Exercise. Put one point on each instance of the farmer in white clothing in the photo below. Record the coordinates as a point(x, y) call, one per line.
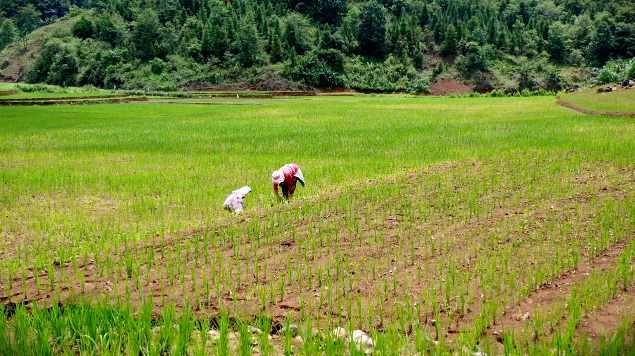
point(235, 202)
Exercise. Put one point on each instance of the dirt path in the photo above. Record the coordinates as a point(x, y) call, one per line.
point(574, 107)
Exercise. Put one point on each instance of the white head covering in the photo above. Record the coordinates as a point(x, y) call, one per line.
point(235, 202)
point(300, 177)
point(242, 191)
point(277, 177)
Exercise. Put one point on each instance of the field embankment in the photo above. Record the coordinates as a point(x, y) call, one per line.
point(620, 102)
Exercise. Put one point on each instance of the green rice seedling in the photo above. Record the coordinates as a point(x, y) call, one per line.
point(625, 266)
point(223, 341)
point(244, 340)
point(264, 344)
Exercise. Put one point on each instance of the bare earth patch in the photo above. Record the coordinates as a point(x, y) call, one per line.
point(448, 87)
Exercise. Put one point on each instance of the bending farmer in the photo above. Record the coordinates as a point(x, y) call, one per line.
point(286, 178)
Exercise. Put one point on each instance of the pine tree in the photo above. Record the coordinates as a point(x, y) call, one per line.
point(556, 43)
point(295, 36)
point(27, 18)
point(450, 41)
point(8, 32)
point(329, 11)
point(206, 44)
point(249, 52)
point(146, 34)
point(275, 44)
point(372, 30)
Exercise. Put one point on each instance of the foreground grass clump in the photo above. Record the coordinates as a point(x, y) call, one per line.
point(425, 222)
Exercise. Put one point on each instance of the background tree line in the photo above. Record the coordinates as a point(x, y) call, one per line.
point(375, 45)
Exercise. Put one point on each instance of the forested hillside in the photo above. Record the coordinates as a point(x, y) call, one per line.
point(383, 45)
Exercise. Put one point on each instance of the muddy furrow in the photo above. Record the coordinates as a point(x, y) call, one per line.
point(514, 318)
point(603, 322)
point(288, 247)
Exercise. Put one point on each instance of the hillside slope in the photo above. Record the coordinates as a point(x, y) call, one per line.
point(17, 59)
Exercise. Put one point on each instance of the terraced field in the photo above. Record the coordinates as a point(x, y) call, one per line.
point(620, 102)
point(433, 225)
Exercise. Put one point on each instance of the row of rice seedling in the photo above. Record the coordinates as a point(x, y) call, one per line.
point(421, 259)
point(351, 260)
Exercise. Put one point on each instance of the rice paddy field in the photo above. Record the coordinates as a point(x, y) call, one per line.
point(428, 225)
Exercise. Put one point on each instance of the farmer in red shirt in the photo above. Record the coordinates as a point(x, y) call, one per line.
point(286, 178)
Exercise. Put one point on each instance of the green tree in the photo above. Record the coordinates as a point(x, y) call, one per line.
point(145, 34)
point(526, 73)
point(372, 30)
point(110, 29)
point(349, 30)
point(556, 44)
point(218, 38)
point(83, 28)
point(329, 11)
point(330, 39)
point(27, 18)
point(450, 41)
point(56, 64)
point(189, 37)
point(207, 45)
point(249, 51)
point(275, 43)
point(603, 41)
point(39, 71)
point(319, 68)
point(296, 36)
point(8, 32)
point(64, 68)
point(474, 58)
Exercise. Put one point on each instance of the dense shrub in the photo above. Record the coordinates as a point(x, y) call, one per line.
point(474, 58)
point(391, 75)
point(318, 68)
point(607, 75)
point(553, 80)
point(616, 71)
point(57, 64)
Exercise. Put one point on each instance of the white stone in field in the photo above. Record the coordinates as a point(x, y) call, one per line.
point(467, 351)
point(235, 202)
point(363, 341)
point(254, 330)
point(292, 329)
point(340, 333)
point(214, 335)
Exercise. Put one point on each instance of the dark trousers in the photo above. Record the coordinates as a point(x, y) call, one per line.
point(288, 188)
